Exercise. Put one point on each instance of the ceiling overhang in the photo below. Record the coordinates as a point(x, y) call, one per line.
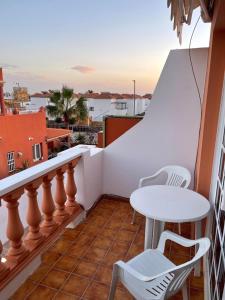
point(182, 10)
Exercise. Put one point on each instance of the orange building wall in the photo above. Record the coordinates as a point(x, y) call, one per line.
point(15, 131)
point(116, 126)
point(212, 99)
point(100, 139)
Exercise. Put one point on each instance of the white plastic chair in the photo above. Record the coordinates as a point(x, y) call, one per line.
point(176, 176)
point(152, 276)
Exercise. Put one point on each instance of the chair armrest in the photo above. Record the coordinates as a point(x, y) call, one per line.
point(168, 235)
point(143, 179)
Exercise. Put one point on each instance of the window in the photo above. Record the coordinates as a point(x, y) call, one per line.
point(11, 161)
point(121, 105)
point(91, 108)
point(37, 151)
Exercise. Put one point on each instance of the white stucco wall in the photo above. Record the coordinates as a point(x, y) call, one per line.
point(88, 177)
point(37, 102)
point(103, 107)
point(168, 134)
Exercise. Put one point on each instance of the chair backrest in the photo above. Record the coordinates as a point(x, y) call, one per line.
point(177, 176)
point(169, 284)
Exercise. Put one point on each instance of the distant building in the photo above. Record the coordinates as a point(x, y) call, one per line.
point(18, 99)
point(25, 139)
point(98, 104)
point(98, 108)
point(20, 94)
point(38, 100)
point(22, 141)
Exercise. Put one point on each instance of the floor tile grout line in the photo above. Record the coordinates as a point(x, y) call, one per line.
point(29, 293)
point(132, 243)
point(61, 288)
point(100, 262)
point(70, 274)
point(51, 288)
point(39, 282)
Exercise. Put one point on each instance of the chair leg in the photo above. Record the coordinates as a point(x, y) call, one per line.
point(133, 217)
point(113, 283)
point(185, 291)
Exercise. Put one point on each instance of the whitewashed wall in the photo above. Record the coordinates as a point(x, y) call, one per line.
point(37, 102)
point(103, 107)
point(168, 134)
point(88, 177)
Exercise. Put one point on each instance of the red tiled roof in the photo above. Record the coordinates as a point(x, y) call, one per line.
point(41, 95)
point(102, 95)
point(55, 133)
point(107, 95)
point(147, 96)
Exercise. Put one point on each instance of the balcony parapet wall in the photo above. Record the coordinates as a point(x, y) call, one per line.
point(46, 219)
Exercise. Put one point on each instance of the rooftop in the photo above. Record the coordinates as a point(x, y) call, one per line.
point(102, 95)
point(54, 133)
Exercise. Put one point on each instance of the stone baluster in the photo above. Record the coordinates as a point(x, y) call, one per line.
point(17, 252)
point(34, 237)
point(71, 188)
point(4, 270)
point(60, 197)
point(48, 225)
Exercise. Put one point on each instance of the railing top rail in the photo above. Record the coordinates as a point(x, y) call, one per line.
point(18, 180)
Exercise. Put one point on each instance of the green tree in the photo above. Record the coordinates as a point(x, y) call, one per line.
point(62, 104)
point(81, 112)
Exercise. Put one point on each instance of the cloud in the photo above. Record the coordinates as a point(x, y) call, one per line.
point(83, 69)
point(8, 66)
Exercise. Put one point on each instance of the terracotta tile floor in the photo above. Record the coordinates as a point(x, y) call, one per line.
point(79, 264)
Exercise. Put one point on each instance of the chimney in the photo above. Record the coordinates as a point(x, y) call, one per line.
point(2, 101)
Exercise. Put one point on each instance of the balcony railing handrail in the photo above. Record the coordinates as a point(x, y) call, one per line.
point(18, 180)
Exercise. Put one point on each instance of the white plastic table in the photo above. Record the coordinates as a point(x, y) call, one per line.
point(164, 203)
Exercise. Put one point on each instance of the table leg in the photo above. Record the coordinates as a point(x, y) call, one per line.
point(148, 233)
point(157, 230)
point(198, 235)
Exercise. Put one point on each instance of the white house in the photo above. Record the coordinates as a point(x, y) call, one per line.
point(99, 107)
point(38, 100)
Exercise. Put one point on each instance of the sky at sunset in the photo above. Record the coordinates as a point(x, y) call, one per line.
point(89, 44)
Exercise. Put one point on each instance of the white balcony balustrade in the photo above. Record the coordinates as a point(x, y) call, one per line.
point(38, 204)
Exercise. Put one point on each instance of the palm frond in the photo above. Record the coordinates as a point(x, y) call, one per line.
point(67, 93)
point(52, 110)
point(55, 96)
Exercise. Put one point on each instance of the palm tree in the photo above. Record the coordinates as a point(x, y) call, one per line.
point(62, 104)
point(81, 112)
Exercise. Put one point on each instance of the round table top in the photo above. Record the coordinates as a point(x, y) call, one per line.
point(169, 204)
